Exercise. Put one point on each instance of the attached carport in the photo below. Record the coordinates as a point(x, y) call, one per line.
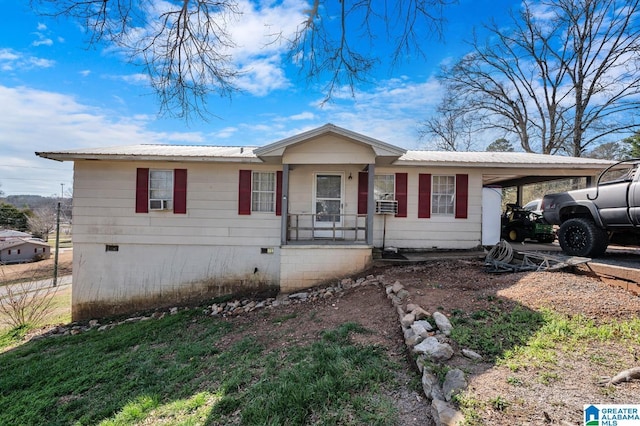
point(526, 169)
point(512, 169)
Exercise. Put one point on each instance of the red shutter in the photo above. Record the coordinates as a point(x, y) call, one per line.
point(244, 192)
point(180, 191)
point(363, 192)
point(279, 193)
point(142, 190)
point(462, 196)
point(401, 194)
point(424, 195)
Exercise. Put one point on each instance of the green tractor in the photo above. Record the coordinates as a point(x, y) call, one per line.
point(519, 224)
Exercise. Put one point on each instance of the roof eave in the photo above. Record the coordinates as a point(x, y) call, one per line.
point(61, 156)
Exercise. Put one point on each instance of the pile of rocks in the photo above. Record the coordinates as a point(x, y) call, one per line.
point(433, 348)
point(224, 309)
point(237, 307)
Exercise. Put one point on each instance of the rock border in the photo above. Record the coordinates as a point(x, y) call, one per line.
point(432, 348)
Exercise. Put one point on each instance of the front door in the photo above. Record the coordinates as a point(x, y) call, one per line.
point(328, 203)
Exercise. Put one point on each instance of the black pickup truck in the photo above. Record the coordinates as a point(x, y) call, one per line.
point(591, 218)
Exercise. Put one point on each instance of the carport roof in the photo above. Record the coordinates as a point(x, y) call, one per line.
point(510, 168)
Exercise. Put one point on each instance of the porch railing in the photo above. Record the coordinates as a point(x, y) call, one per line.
point(327, 227)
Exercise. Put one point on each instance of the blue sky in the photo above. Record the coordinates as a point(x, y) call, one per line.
point(57, 93)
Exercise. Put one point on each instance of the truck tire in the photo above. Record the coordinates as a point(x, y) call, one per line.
point(581, 237)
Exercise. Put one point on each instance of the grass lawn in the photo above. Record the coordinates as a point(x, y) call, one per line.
point(173, 371)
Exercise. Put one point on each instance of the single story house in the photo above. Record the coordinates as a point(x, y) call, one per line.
point(156, 225)
point(19, 250)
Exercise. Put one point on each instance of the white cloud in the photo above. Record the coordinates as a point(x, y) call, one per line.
point(85, 73)
point(303, 116)
point(11, 60)
point(33, 120)
point(225, 133)
point(43, 41)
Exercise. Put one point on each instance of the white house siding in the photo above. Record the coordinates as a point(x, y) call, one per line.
point(305, 266)
point(437, 232)
point(328, 150)
point(162, 257)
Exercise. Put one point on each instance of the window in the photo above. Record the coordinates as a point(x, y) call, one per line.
point(384, 187)
point(263, 191)
point(160, 189)
point(443, 195)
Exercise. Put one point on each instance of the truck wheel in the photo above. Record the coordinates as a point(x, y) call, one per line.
point(581, 237)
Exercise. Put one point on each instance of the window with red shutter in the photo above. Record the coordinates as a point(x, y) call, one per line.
point(424, 195)
point(244, 192)
point(462, 196)
point(401, 193)
point(363, 192)
point(279, 193)
point(180, 191)
point(142, 190)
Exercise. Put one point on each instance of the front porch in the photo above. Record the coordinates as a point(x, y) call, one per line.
point(341, 229)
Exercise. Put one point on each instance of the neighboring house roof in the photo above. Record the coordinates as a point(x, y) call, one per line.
point(16, 242)
point(10, 233)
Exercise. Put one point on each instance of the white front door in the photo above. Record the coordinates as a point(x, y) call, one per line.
point(328, 205)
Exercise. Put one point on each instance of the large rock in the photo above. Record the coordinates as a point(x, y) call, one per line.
point(468, 353)
point(454, 383)
point(445, 415)
point(407, 320)
point(434, 350)
point(442, 322)
point(431, 385)
point(423, 323)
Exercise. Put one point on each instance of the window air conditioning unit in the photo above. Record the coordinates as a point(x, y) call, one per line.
point(386, 207)
point(157, 204)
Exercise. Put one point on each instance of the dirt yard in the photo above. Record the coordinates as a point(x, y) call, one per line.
point(554, 394)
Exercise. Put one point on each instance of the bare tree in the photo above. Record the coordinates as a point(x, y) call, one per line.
point(43, 221)
point(451, 129)
point(564, 76)
point(186, 46)
point(26, 302)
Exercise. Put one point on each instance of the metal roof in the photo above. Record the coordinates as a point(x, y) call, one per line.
point(156, 153)
point(496, 159)
point(16, 242)
point(247, 154)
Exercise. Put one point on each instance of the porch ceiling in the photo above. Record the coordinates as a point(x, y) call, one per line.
point(511, 180)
